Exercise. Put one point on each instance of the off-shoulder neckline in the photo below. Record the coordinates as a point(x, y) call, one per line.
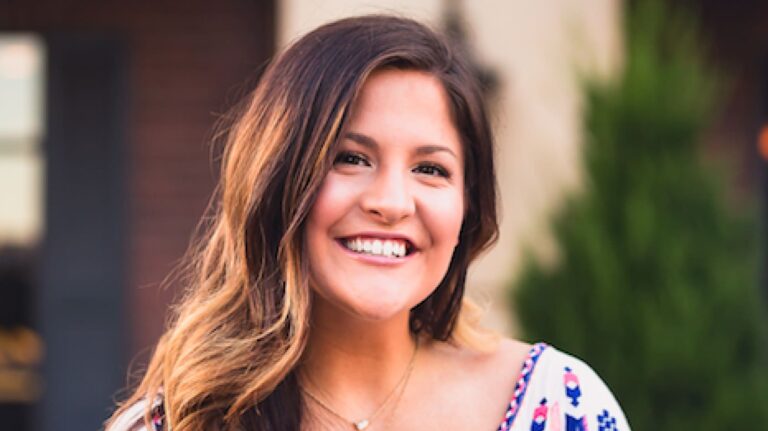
point(521, 386)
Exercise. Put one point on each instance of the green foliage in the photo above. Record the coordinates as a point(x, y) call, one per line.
point(656, 282)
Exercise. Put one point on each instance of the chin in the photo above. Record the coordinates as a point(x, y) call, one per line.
point(376, 308)
point(370, 309)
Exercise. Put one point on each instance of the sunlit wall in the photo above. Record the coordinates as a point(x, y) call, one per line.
point(21, 221)
point(21, 120)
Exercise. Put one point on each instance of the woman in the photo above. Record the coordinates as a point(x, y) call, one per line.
point(357, 186)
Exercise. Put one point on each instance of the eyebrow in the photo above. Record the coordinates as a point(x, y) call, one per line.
point(371, 143)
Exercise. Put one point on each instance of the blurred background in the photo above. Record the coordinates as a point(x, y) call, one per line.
point(632, 144)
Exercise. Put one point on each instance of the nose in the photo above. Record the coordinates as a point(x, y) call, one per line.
point(388, 198)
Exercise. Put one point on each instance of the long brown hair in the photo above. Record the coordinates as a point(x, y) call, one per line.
point(228, 359)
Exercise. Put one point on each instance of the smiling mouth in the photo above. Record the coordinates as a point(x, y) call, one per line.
point(391, 247)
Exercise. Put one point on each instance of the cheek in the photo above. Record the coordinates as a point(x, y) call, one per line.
point(333, 201)
point(443, 218)
point(320, 220)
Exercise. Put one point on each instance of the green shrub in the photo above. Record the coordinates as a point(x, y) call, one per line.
point(656, 282)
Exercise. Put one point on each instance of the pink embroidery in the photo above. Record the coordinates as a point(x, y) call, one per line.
point(540, 416)
point(555, 421)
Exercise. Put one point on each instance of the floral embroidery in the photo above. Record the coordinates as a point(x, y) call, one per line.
point(566, 395)
point(575, 424)
point(539, 421)
point(572, 389)
point(606, 422)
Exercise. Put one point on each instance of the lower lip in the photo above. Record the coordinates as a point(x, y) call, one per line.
point(376, 260)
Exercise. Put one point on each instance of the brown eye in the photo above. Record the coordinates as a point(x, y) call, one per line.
point(432, 170)
point(350, 158)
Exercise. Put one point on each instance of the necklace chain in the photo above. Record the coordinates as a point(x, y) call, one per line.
point(362, 424)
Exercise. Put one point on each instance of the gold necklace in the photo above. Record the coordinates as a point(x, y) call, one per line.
point(362, 424)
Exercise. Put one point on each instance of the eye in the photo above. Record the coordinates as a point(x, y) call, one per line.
point(432, 170)
point(350, 158)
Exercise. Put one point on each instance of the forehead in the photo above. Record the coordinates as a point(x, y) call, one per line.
point(405, 106)
point(415, 88)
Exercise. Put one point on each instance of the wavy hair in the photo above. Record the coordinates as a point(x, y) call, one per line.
point(228, 359)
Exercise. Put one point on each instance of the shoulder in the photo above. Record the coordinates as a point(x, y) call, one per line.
point(475, 384)
point(497, 358)
point(132, 418)
point(566, 388)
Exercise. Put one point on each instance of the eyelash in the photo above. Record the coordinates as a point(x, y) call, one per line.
point(436, 170)
point(350, 158)
point(356, 159)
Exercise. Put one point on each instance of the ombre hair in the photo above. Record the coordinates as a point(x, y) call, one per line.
point(228, 359)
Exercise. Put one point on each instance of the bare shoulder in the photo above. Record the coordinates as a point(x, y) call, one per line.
point(501, 366)
point(477, 385)
point(511, 352)
point(490, 373)
point(505, 353)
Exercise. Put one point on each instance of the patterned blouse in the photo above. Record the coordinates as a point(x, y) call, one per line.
point(557, 392)
point(554, 392)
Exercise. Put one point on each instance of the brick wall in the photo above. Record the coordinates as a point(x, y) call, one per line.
point(188, 61)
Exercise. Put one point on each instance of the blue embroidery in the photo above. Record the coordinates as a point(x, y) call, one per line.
point(572, 389)
point(522, 385)
point(539, 421)
point(574, 424)
point(606, 422)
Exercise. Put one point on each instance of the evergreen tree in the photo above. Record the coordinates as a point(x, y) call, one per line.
point(656, 283)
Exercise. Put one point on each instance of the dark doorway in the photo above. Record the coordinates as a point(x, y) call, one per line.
point(81, 272)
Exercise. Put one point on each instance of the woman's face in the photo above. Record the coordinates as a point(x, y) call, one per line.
point(382, 231)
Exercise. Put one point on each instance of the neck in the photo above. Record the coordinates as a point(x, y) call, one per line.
point(354, 364)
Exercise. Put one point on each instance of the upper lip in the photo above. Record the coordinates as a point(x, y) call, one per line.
point(383, 235)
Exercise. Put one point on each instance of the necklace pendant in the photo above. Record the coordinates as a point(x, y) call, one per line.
point(361, 425)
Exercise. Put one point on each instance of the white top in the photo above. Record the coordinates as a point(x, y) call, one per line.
point(558, 392)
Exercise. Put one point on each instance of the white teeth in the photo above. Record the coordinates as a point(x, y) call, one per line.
point(388, 248)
